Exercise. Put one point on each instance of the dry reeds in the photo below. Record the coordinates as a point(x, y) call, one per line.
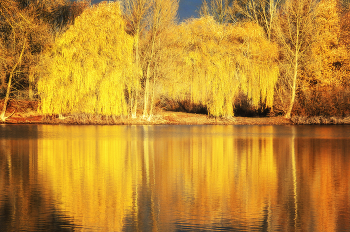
point(320, 120)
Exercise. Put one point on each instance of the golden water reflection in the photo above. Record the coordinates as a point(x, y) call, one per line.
point(169, 178)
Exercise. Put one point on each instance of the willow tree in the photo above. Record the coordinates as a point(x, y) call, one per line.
point(218, 61)
point(88, 68)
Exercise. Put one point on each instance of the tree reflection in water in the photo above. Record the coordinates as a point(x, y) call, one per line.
point(25, 204)
point(178, 178)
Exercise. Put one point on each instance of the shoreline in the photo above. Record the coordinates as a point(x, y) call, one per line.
point(173, 118)
point(170, 118)
point(161, 118)
point(25, 112)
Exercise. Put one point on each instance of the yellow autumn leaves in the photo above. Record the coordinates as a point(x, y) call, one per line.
point(91, 68)
point(88, 68)
point(218, 61)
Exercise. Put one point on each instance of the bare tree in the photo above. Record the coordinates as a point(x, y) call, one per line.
point(147, 20)
point(221, 10)
point(136, 13)
point(27, 29)
point(164, 13)
point(3, 112)
point(13, 37)
point(263, 12)
point(295, 30)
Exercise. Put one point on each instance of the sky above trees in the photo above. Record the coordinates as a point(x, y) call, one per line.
point(187, 8)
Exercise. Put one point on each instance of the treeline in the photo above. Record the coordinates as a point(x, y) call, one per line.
point(126, 58)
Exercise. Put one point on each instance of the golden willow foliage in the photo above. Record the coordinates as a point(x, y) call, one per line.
point(88, 67)
point(215, 61)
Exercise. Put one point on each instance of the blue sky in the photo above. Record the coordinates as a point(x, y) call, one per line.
point(187, 8)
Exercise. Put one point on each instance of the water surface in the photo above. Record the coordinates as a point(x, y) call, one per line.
point(174, 178)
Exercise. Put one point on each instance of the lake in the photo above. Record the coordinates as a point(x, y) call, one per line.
point(174, 178)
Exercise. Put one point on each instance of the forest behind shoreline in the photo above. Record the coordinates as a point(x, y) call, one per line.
point(130, 58)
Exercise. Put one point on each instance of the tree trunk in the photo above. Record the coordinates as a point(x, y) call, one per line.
point(135, 94)
point(2, 77)
point(146, 96)
point(152, 98)
point(295, 76)
point(31, 81)
point(133, 105)
point(292, 100)
point(2, 115)
point(147, 89)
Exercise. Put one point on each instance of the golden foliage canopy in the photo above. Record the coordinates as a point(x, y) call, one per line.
point(217, 61)
point(328, 55)
point(88, 67)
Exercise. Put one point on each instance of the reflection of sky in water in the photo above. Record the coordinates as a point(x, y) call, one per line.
point(176, 178)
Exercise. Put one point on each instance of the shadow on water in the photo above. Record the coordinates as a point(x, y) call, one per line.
point(25, 205)
point(15, 132)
